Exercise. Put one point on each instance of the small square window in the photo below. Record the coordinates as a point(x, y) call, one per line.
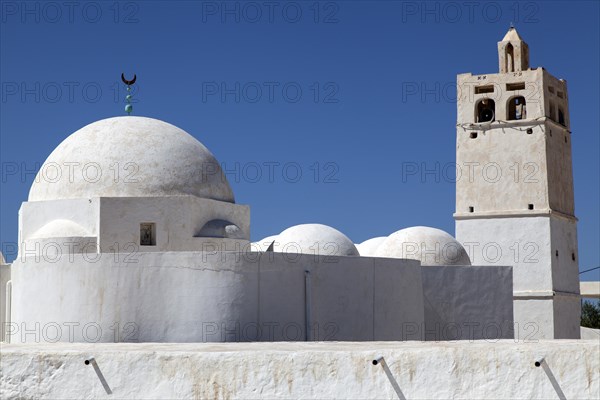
point(471, 209)
point(515, 86)
point(148, 234)
point(529, 131)
point(530, 206)
point(473, 135)
point(550, 89)
point(573, 256)
point(484, 89)
point(560, 94)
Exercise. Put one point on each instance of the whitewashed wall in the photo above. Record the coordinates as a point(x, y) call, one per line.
point(467, 370)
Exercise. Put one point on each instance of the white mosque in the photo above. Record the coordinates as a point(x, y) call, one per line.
point(132, 221)
point(131, 233)
point(163, 247)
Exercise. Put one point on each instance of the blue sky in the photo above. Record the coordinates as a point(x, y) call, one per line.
point(346, 93)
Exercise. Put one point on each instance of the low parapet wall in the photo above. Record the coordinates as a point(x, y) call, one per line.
point(431, 370)
point(214, 297)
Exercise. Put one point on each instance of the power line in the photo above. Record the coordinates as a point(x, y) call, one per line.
point(588, 270)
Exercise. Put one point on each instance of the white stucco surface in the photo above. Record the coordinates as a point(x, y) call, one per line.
point(545, 276)
point(112, 224)
point(443, 370)
point(590, 289)
point(4, 278)
point(590, 334)
point(467, 303)
point(213, 297)
point(130, 157)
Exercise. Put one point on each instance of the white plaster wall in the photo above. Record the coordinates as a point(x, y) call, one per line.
point(535, 168)
point(534, 318)
point(465, 370)
point(142, 297)
point(524, 243)
point(4, 278)
point(34, 215)
point(112, 225)
point(178, 220)
point(560, 168)
point(565, 269)
point(501, 170)
point(466, 97)
point(590, 334)
point(551, 317)
point(212, 296)
point(567, 317)
point(467, 303)
point(544, 285)
point(590, 289)
point(558, 85)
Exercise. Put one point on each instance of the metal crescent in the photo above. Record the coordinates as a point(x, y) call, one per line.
point(125, 81)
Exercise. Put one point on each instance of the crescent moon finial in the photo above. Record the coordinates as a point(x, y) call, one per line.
point(127, 82)
point(128, 106)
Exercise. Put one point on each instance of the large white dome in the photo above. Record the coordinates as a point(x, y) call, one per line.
point(431, 246)
point(315, 239)
point(130, 157)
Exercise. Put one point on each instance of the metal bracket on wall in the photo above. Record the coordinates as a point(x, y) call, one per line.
point(541, 362)
point(92, 361)
point(386, 369)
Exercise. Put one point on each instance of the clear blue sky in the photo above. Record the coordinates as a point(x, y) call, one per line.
point(357, 121)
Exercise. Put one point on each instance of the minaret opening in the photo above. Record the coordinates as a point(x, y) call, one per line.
point(561, 117)
point(513, 53)
point(551, 112)
point(510, 58)
point(516, 108)
point(485, 110)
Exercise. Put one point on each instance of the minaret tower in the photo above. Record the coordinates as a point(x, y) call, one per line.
point(514, 191)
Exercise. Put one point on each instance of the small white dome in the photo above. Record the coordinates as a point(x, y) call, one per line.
point(130, 157)
point(315, 239)
point(368, 247)
point(431, 246)
point(60, 228)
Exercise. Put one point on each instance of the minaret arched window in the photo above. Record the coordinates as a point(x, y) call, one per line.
point(485, 110)
point(517, 108)
point(510, 58)
point(561, 117)
point(551, 113)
